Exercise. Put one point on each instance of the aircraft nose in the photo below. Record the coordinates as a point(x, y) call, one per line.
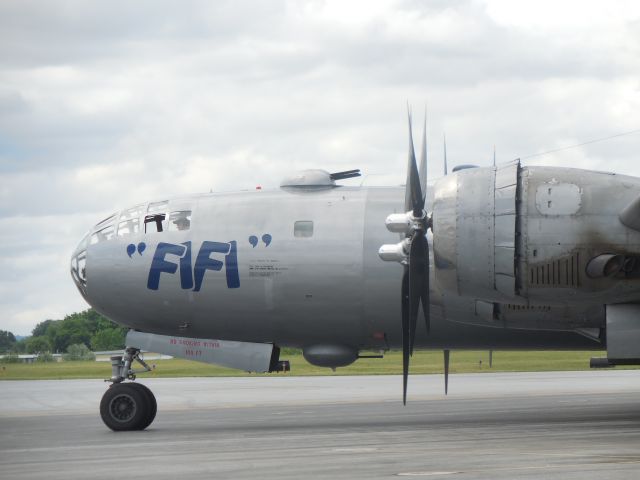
point(79, 266)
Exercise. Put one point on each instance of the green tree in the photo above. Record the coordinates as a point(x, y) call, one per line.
point(7, 341)
point(79, 351)
point(72, 330)
point(108, 339)
point(41, 328)
point(51, 333)
point(80, 327)
point(37, 345)
point(20, 346)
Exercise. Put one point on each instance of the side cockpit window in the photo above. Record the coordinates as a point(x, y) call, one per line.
point(104, 230)
point(180, 220)
point(129, 221)
point(128, 227)
point(159, 218)
point(79, 265)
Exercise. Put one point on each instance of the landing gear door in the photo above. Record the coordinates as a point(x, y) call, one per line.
point(623, 332)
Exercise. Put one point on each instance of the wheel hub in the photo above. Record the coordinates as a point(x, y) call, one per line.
point(122, 408)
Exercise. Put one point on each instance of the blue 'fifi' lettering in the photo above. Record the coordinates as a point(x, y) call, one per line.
point(160, 265)
point(204, 262)
point(186, 278)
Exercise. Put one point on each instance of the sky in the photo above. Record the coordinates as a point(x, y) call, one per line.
point(108, 104)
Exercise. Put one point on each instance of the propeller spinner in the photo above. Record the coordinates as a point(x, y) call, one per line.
point(412, 252)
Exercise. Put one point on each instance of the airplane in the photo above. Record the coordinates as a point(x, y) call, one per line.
point(500, 257)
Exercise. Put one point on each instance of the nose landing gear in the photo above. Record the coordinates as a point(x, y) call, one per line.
point(127, 406)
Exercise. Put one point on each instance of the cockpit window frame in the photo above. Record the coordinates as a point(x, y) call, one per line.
point(158, 207)
point(102, 223)
point(104, 234)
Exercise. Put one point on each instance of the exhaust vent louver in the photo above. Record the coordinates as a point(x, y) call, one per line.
point(562, 272)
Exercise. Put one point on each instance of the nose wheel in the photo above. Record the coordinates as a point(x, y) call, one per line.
point(128, 406)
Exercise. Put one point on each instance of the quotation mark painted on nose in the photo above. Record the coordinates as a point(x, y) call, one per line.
point(131, 248)
point(266, 238)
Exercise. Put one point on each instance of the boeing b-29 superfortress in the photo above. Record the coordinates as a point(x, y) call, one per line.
point(501, 257)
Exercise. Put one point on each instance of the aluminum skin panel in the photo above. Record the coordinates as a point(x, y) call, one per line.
point(505, 200)
point(623, 331)
point(504, 261)
point(475, 232)
point(582, 222)
point(507, 175)
point(505, 228)
point(558, 199)
point(444, 232)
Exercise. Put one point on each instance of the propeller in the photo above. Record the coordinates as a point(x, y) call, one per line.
point(412, 252)
point(415, 281)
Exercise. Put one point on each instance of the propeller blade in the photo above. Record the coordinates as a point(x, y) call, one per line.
point(446, 372)
point(424, 292)
point(405, 333)
point(413, 199)
point(418, 280)
point(426, 310)
point(423, 159)
point(444, 137)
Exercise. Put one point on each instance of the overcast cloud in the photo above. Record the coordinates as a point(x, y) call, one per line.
point(105, 104)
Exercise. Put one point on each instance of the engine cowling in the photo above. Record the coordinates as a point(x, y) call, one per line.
point(474, 232)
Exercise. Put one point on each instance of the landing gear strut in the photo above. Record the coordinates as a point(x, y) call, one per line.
point(127, 406)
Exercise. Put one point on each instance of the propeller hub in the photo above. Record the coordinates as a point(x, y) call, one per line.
point(395, 252)
point(420, 223)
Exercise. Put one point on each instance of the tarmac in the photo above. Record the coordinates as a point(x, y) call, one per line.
point(552, 425)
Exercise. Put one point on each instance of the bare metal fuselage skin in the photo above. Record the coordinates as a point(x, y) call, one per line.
point(300, 267)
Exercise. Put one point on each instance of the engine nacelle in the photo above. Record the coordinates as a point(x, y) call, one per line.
point(537, 235)
point(474, 232)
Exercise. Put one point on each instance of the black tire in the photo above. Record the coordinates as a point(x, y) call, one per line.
point(124, 408)
point(152, 406)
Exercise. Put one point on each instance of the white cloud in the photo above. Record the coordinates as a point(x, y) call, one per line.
point(550, 15)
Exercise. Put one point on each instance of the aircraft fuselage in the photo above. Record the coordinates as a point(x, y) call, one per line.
point(301, 267)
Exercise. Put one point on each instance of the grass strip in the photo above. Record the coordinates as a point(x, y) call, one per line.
point(421, 363)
